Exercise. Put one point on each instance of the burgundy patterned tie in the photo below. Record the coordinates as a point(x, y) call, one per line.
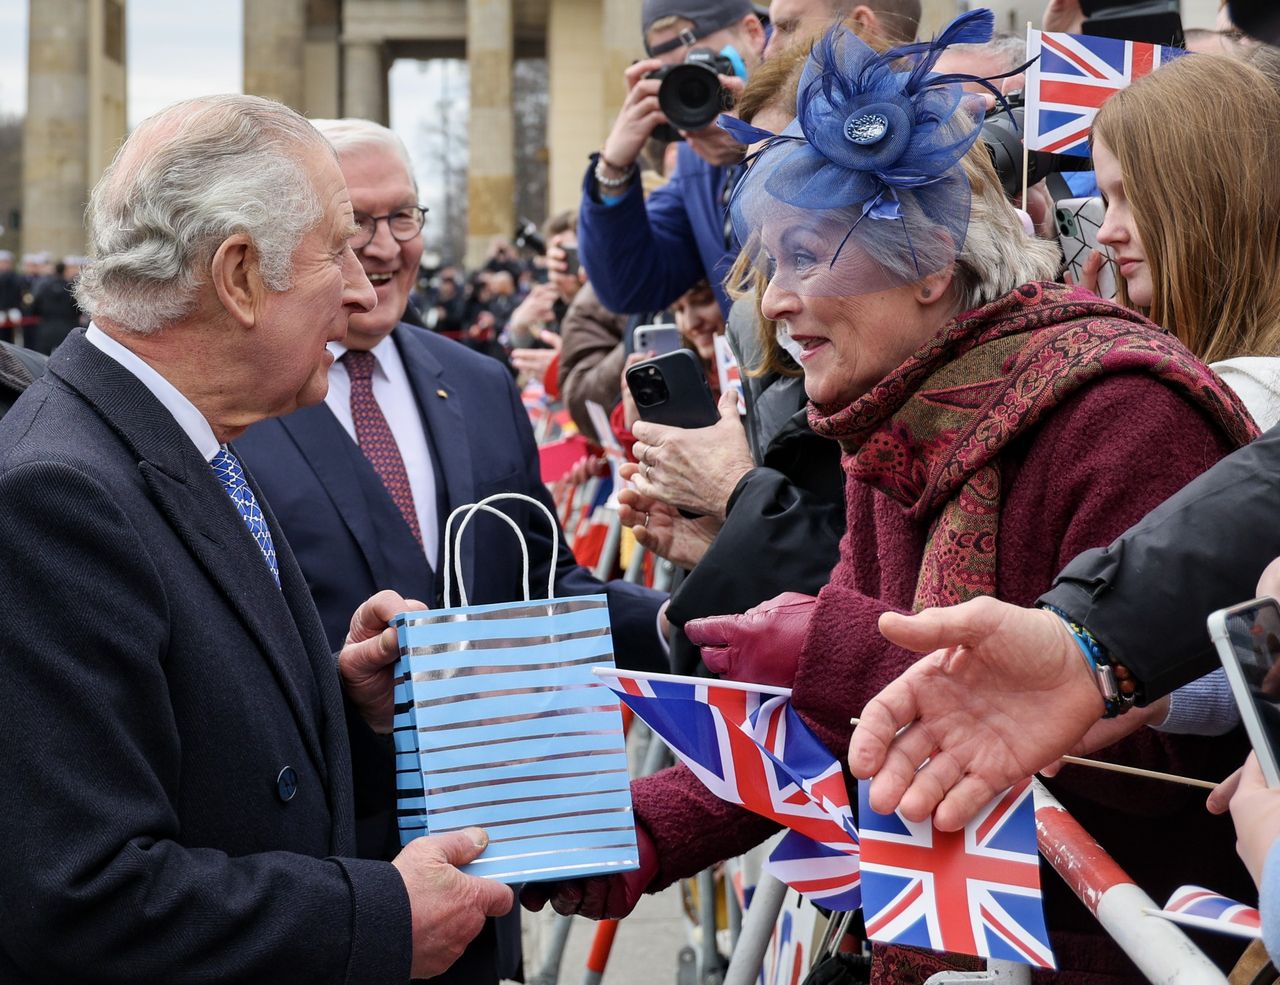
point(375, 438)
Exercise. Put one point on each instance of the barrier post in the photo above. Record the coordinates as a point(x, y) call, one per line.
point(1158, 947)
point(757, 929)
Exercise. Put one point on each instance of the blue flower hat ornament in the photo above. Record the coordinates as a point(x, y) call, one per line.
point(864, 190)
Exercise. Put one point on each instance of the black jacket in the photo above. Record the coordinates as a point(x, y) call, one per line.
point(19, 368)
point(1146, 596)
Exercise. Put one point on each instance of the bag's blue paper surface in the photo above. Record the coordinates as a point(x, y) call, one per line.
point(500, 723)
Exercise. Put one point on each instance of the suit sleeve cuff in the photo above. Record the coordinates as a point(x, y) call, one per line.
point(381, 924)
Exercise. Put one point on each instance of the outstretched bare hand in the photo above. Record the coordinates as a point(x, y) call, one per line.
point(1004, 693)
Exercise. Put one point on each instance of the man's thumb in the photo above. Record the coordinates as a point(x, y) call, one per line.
point(460, 847)
point(729, 403)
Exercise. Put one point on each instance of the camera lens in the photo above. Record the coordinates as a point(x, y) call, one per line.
point(691, 96)
point(649, 389)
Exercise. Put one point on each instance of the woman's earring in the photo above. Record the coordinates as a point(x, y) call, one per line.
point(926, 293)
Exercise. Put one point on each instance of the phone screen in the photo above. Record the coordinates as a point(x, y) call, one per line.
point(1254, 633)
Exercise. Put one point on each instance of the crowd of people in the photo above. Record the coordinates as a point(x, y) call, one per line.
point(958, 498)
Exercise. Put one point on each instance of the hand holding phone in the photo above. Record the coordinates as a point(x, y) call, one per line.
point(1247, 637)
point(672, 389)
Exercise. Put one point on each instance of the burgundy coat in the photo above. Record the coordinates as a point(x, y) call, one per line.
point(1106, 456)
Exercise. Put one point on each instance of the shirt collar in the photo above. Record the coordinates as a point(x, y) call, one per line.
point(385, 354)
point(183, 410)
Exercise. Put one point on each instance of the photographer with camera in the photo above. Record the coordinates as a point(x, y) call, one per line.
point(643, 255)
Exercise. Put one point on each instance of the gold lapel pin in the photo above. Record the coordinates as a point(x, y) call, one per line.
point(442, 393)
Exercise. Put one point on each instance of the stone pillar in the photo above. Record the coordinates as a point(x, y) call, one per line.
point(364, 81)
point(622, 44)
point(491, 165)
point(75, 115)
point(275, 33)
point(576, 120)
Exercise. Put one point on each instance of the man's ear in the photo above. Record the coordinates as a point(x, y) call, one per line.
point(233, 272)
point(864, 21)
point(754, 33)
point(934, 287)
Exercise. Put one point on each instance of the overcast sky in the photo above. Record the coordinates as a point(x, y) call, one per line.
point(176, 50)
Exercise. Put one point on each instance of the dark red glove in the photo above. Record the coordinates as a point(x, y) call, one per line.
point(761, 646)
point(599, 897)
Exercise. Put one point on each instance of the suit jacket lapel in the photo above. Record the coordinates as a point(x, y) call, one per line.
point(336, 459)
point(447, 431)
point(186, 491)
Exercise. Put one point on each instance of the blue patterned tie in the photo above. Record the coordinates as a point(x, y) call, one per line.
point(227, 468)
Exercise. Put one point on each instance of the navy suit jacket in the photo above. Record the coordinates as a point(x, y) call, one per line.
point(352, 541)
point(177, 771)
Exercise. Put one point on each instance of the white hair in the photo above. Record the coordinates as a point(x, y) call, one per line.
point(186, 179)
point(352, 134)
point(999, 254)
point(1009, 50)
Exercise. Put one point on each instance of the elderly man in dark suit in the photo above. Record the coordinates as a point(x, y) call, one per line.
point(179, 739)
point(413, 426)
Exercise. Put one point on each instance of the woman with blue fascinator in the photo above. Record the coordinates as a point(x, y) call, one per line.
point(992, 423)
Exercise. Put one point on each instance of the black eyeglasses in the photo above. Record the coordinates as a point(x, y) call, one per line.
point(404, 224)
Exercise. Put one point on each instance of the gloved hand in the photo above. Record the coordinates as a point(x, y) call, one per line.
point(599, 897)
point(761, 646)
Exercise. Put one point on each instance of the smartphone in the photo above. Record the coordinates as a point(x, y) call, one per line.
point(1078, 221)
point(571, 260)
point(658, 339)
point(1248, 640)
point(672, 389)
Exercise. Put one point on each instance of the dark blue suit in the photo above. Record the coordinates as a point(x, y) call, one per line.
point(351, 540)
point(178, 778)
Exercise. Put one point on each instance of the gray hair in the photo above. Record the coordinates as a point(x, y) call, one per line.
point(1010, 50)
point(999, 254)
point(187, 178)
point(353, 134)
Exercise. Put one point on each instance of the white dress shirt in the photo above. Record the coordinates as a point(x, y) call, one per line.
point(183, 410)
point(394, 394)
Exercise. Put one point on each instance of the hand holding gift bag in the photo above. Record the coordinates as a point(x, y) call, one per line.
point(500, 723)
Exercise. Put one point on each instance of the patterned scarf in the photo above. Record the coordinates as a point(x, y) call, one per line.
point(930, 434)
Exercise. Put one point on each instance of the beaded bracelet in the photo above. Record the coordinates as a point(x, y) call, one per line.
point(1116, 683)
point(612, 183)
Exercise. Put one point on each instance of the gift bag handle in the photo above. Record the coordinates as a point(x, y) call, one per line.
point(453, 544)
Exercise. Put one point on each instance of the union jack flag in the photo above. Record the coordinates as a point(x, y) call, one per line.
point(1199, 907)
point(975, 891)
point(1072, 77)
point(748, 746)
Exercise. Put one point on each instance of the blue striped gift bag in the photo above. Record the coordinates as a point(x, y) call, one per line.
point(500, 723)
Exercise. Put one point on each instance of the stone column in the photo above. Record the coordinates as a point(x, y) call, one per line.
point(275, 33)
point(576, 119)
point(491, 166)
point(364, 81)
point(75, 115)
point(622, 44)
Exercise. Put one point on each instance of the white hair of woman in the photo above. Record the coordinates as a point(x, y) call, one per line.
point(187, 178)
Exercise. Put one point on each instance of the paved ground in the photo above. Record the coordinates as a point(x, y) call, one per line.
point(645, 950)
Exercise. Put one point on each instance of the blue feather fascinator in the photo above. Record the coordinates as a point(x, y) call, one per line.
point(864, 191)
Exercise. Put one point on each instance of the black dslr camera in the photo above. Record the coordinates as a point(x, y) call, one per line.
point(1002, 133)
point(527, 237)
point(691, 95)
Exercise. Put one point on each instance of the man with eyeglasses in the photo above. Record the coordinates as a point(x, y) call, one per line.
point(414, 425)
